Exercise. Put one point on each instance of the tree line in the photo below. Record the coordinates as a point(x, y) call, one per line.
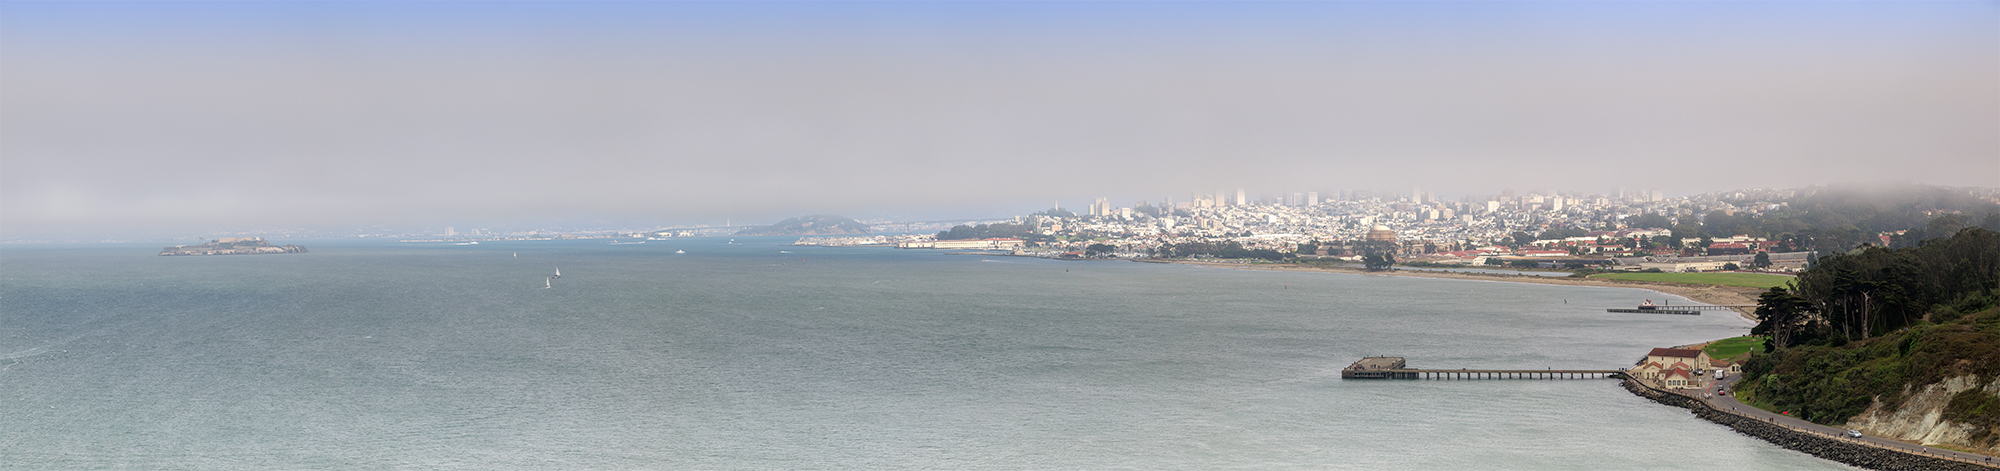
point(1002, 230)
point(1222, 249)
point(1872, 325)
point(1839, 217)
point(1869, 291)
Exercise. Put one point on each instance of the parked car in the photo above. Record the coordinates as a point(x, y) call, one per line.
point(1853, 434)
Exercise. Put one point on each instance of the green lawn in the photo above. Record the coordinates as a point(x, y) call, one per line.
point(1730, 348)
point(1753, 280)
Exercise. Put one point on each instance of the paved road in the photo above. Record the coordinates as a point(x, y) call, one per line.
point(1729, 403)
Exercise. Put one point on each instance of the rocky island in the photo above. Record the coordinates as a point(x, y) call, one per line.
point(824, 224)
point(232, 246)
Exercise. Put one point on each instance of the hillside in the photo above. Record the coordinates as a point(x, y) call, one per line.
point(822, 224)
point(1936, 384)
point(1900, 343)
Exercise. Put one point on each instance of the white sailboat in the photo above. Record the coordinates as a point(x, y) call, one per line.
point(558, 273)
point(546, 284)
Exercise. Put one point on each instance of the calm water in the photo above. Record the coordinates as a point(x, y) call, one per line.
point(429, 356)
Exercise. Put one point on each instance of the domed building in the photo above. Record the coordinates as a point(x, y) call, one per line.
point(1381, 234)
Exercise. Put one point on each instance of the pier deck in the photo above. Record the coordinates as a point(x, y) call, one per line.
point(1411, 373)
point(1395, 368)
point(1685, 309)
point(1676, 310)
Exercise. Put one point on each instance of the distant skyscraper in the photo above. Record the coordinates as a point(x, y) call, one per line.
point(1312, 198)
point(1417, 195)
point(1239, 197)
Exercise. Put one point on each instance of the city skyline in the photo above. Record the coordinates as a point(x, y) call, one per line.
point(171, 117)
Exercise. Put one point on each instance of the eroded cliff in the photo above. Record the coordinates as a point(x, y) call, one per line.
point(1924, 415)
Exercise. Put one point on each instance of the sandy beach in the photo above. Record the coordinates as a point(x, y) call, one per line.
point(1709, 294)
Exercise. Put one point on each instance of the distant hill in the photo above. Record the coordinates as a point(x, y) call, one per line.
point(823, 224)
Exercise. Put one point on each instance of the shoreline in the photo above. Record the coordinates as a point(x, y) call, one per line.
point(1799, 436)
point(1711, 294)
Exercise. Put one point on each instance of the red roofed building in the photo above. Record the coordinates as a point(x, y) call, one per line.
point(1726, 365)
point(1672, 367)
point(1679, 377)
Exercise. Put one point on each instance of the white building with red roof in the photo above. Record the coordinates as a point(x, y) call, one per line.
point(1672, 367)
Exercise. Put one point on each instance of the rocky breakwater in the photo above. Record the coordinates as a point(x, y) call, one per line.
point(1822, 446)
point(232, 246)
point(1927, 416)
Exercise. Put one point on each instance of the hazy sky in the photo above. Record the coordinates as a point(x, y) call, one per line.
point(168, 116)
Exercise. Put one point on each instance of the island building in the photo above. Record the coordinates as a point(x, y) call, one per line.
point(232, 246)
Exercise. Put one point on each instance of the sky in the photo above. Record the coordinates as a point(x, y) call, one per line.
point(183, 117)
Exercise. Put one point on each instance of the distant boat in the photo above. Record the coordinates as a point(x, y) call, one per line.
point(558, 273)
point(546, 284)
point(784, 251)
point(680, 251)
point(627, 243)
point(517, 255)
point(467, 243)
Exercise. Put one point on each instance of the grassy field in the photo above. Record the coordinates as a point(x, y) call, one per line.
point(1753, 280)
point(1730, 348)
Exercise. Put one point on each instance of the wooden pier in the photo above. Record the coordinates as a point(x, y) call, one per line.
point(1696, 307)
point(1504, 374)
point(1685, 310)
point(1676, 310)
point(1395, 368)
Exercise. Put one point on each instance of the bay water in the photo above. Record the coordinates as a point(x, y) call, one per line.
point(748, 354)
